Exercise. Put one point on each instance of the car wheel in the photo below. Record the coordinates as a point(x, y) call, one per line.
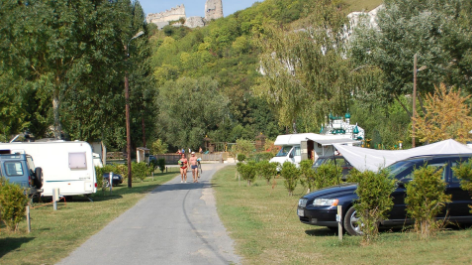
point(351, 222)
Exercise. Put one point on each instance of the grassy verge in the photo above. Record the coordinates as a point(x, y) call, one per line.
point(56, 233)
point(264, 224)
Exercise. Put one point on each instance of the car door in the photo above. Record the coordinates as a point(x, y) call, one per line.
point(458, 208)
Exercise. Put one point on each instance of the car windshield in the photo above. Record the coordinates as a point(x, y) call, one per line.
point(320, 161)
point(284, 151)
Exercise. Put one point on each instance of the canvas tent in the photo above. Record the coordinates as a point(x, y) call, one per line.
point(370, 159)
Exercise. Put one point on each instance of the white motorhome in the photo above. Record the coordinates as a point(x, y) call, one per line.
point(68, 166)
point(301, 146)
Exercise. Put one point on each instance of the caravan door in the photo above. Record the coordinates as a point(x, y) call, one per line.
point(296, 155)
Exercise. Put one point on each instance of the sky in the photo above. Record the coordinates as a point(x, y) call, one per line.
point(194, 7)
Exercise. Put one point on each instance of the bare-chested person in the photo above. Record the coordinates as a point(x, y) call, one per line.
point(194, 167)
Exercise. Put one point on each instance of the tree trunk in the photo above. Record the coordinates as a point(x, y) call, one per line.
point(55, 110)
point(144, 131)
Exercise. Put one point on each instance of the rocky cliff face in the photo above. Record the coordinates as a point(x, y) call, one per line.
point(194, 22)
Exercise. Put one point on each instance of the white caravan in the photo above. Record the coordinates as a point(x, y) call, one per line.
point(68, 166)
point(301, 146)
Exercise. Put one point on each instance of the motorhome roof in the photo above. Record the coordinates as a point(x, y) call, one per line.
point(291, 139)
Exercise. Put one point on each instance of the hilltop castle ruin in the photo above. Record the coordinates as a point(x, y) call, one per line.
point(213, 10)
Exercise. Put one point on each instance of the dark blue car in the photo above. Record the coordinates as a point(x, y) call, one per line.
point(320, 207)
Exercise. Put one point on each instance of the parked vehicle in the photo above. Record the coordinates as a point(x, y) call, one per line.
point(298, 147)
point(336, 160)
point(67, 166)
point(116, 179)
point(20, 169)
point(319, 207)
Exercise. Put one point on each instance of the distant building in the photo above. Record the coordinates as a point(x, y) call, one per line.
point(213, 10)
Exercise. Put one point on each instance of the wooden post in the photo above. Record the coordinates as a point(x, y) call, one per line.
point(339, 219)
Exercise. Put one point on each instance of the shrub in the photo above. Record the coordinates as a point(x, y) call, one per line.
point(327, 175)
point(162, 164)
point(247, 171)
point(241, 157)
point(152, 166)
point(122, 170)
point(99, 175)
point(291, 174)
point(13, 202)
point(374, 202)
point(307, 179)
point(271, 148)
point(463, 171)
point(139, 170)
point(425, 198)
point(267, 170)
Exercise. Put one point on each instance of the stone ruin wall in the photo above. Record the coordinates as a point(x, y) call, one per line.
point(173, 14)
point(213, 9)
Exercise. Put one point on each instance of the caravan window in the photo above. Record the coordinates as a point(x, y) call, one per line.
point(297, 151)
point(284, 151)
point(14, 169)
point(77, 161)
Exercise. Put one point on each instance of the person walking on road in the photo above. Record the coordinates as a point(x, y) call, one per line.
point(183, 168)
point(194, 166)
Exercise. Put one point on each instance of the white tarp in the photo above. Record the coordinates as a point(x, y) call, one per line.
point(292, 139)
point(370, 159)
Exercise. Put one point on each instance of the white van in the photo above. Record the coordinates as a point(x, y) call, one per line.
point(302, 146)
point(68, 166)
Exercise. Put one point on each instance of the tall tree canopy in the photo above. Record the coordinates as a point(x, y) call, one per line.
point(189, 109)
point(437, 31)
point(305, 74)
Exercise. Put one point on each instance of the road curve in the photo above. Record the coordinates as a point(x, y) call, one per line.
point(176, 223)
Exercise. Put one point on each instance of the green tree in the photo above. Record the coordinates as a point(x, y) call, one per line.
point(426, 198)
point(432, 29)
point(81, 57)
point(159, 147)
point(189, 109)
point(305, 74)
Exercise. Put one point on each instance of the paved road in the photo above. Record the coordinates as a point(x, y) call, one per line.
point(175, 224)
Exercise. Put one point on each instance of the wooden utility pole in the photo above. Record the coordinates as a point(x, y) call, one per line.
point(128, 127)
point(413, 123)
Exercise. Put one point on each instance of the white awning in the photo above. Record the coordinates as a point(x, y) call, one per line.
point(370, 159)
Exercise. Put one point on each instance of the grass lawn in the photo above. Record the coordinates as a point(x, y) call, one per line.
point(57, 233)
point(264, 224)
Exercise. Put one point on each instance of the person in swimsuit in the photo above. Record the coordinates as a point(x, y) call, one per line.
point(194, 165)
point(183, 168)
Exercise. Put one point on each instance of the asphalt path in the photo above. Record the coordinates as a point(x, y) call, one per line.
point(176, 223)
